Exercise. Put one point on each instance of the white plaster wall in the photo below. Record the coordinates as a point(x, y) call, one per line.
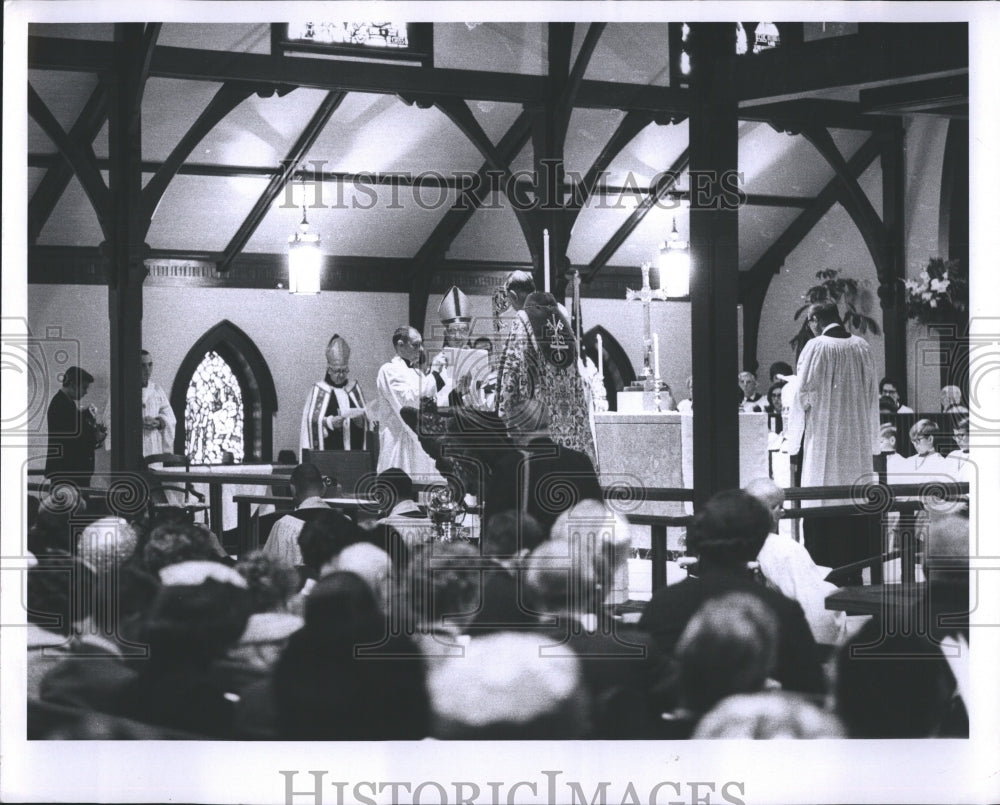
point(836, 243)
point(290, 331)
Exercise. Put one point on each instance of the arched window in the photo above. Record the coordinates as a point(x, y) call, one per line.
point(227, 394)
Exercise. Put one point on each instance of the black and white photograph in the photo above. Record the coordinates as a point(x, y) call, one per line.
point(487, 403)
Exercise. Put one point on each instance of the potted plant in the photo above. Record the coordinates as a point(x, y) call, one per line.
point(850, 295)
point(940, 295)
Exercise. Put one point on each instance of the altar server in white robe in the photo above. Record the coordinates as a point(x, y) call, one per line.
point(158, 419)
point(402, 383)
point(834, 422)
point(334, 414)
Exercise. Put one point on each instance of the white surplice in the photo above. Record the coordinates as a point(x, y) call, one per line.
point(834, 415)
point(398, 386)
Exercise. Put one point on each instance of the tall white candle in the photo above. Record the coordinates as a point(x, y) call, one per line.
point(656, 356)
point(600, 355)
point(545, 258)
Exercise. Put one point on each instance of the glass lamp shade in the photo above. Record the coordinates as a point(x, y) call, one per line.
point(675, 269)
point(304, 263)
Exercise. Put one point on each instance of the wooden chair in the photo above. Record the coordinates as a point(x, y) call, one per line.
point(158, 497)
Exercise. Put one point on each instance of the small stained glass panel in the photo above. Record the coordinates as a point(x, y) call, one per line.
point(369, 34)
point(213, 413)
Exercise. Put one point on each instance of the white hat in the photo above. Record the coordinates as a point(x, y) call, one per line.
point(338, 350)
point(454, 307)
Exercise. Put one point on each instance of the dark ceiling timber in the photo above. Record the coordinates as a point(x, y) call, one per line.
point(878, 52)
point(947, 96)
point(79, 155)
point(55, 53)
point(831, 114)
point(60, 171)
point(614, 244)
point(289, 165)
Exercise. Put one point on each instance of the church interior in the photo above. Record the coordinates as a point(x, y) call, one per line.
point(685, 191)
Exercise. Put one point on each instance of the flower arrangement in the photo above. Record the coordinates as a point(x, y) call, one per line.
point(851, 296)
point(940, 294)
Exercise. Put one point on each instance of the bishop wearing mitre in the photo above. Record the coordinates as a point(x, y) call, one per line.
point(334, 415)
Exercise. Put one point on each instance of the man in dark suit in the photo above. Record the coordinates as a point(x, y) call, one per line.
point(73, 433)
point(727, 534)
point(539, 477)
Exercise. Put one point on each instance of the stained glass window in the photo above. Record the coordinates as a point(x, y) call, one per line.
point(371, 34)
point(213, 414)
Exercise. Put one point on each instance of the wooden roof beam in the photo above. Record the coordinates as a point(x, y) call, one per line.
point(56, 53)
point(288, 166)
point(640, 212)
point(79, 156)
point(87, 126)
point(787, 115)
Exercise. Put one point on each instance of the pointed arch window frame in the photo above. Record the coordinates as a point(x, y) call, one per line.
point(260, 398)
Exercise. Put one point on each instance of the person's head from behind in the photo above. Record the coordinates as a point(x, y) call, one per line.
point(766, 715)
point(946, 566)
point(171, 542)
point(54, 522)
point(323, 537)
point(271, 582)
point(390, 488)
point(601, 538)
point(729, 531)
point(525, 696)
point(306, 481)
point(76, 382)
point(342, 611)
point(923, 436)
point(729, 646)
point(56, 588)
point(887, 405)
point(822, 314)
point(560, 580)
point(887, 438)
point(484, 343)
point(409, 344)
point(779, 368)
point(748, 383)
point(443, 586)
point(200, 610)
point(510, 534)
point(771, 495)
point(368, 562)
point(518, 285)
point(890, 685)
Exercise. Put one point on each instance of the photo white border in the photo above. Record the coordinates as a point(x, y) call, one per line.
point(770, 772)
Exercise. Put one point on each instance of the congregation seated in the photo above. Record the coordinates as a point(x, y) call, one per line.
point(726, 535)
point(508, 538)
point(271, 584)
point(767, 715)
point(342, 677)
point(563, 585)
point(524, 696)
point(788, 568)
point(729, 646)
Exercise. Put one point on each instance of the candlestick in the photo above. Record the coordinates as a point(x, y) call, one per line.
point(545, 258)
point(656, 356)
point(600, 355)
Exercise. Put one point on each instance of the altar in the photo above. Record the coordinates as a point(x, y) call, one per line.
point(656, 450)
